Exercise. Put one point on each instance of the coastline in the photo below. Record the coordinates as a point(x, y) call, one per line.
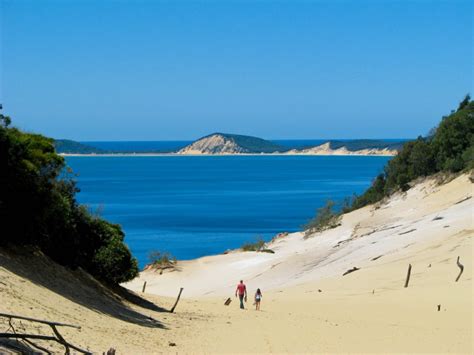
point(221, 155)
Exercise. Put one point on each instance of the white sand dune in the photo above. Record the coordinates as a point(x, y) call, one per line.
point(427, 214)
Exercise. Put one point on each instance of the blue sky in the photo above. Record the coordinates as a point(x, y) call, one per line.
point(153, 70)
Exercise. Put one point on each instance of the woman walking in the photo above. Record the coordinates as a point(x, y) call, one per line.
point(258, 298)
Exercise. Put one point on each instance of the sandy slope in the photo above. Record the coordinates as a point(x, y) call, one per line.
point(365, 311)
point(393, 230)
point(325, 149)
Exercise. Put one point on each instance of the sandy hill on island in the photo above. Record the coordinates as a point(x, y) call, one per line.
point(308, 305)
point(231, 144)
point(235, 144)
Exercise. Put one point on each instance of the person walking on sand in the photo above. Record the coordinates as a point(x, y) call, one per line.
point(242, 291)
point(258, 298)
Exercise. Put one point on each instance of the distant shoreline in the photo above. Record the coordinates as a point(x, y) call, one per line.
point(220, 144)
point(217, 155)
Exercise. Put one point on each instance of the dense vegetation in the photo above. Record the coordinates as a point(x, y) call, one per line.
point(73, 147)
point(38, 207)
point(448, 148)
point(252, 144)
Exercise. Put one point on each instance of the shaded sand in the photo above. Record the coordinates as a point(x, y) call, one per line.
point(365, 311)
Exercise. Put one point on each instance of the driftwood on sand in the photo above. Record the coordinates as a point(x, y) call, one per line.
point(461, 269)
point(350, 270)
point(177, 300)
point(58, 338)
point(407, 280)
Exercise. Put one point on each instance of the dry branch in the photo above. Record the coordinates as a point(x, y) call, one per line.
point(26, 337)
point(12, 316)
point(350, 270)
point(177, 300)
point(408, 276)
point(461, 267)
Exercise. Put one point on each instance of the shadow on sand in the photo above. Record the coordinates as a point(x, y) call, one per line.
point(79, 287)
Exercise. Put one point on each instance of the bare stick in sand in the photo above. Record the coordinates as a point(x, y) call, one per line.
point(177, 300)
point(144, 286)
point(408, 276)
point(350, 270)
point(461, 267)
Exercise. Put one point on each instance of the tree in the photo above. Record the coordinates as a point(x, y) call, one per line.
point(464, 102)
point(38, 207)
point(449, 147)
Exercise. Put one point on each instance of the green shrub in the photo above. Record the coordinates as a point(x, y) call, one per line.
point(326, 218)
point(114, 263)
point(257, 245)
point(158, 258)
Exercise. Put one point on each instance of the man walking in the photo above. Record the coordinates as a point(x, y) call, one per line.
point(242, 291)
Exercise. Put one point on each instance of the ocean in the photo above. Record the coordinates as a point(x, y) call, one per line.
point(193, 206)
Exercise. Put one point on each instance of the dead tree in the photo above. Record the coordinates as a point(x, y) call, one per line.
point(58, 338)
point(408, 276)
point(461, 269)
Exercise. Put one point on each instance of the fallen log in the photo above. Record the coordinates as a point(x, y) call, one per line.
point(461, 267)
point(44, 337)
point(12, 316)
point(57, 338)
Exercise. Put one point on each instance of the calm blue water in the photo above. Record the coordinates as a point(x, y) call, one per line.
point(195, 206)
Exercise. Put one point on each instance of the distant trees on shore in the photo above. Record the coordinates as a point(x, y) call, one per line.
point(449, 148)
point(38, 208)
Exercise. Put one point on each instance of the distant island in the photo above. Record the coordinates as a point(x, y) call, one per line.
point(234, 144)
point(66, 146)
point(222, 143)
